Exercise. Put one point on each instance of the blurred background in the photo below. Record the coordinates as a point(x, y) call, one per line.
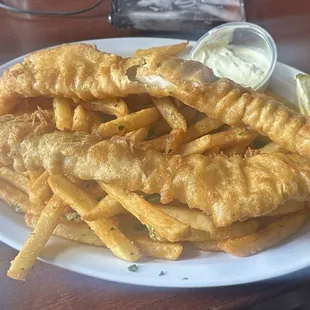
point(286, 20)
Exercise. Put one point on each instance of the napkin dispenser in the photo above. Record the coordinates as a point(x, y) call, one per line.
point(174, 15)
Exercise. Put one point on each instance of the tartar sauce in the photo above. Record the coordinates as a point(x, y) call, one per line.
point(243, 64)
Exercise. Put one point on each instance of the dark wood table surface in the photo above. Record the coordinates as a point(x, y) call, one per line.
point(49, 287)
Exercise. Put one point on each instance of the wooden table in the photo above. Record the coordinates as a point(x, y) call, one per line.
point(49, 287)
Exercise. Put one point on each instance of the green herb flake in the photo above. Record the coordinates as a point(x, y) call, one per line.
point(133, 268)
point(240, 133)
point(112, 228)
point(99, 198)
point(185, 278)
point(161, 273)
point(170, 150)
point(132, 253)
point(152, 234)
point(139, 227)
point(73, 216)
point(151, 132)
point(121, 127)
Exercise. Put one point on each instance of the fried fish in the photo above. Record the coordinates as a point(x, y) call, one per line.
point(228, 188)
point(82, 72)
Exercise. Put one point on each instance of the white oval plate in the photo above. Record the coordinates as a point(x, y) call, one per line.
point(202, 269)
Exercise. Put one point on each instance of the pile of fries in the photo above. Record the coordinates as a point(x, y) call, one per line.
point(131, 225)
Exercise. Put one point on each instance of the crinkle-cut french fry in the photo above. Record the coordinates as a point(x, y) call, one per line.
point(162, 250)
point(16, 179)
point(168, 227)
point(221, 139)
point(80, 120)
point(63, 113)
point(289, 207)
point(104, 228)
point(195, 218)
point(115, 106)
point(127, 123)
point(107, 207)
point(34, 174)
point(210, 245)
point(48, 220)
point(225, 233)
point(40, 191)
point(70, 230)
point(170, 113)
point(273, 148)
point(17, 199)
point(171, 50)
point(167, 143)
point(214, 151)
point(267, 237)
point(201, 128)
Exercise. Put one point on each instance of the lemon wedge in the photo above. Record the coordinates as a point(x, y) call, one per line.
point(303, 92)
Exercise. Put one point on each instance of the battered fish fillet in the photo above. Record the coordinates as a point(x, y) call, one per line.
point(229, 189)
point(81, 72)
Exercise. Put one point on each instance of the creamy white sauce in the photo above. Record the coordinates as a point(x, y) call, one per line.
point(244, 65)
point(154, 80)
